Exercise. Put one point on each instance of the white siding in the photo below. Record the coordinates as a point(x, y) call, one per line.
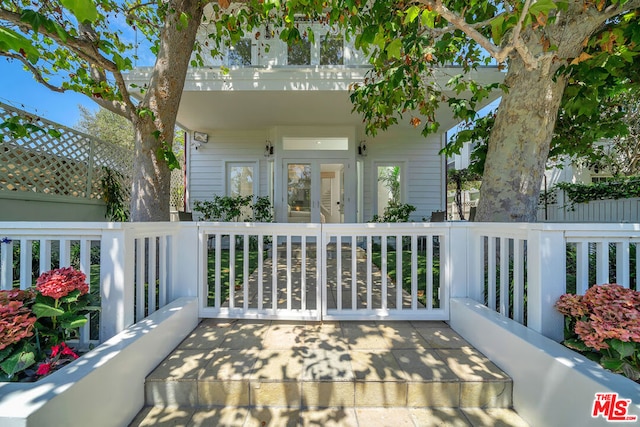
point(423, 169)
point(206, 167)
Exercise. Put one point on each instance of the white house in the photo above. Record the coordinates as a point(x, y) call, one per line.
point(279, 123)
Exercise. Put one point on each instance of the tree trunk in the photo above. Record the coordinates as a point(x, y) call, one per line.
point(519, 143)
point(150, 193)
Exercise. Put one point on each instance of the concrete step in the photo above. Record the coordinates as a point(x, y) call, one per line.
point(307, 369)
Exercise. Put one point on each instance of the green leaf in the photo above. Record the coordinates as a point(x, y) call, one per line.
point(576, 344)
point(44, 310)
point(72, 321)
point(497, 29)
point(84, 10)
point(614, 365)
point(411, 14)
point(18, 362)
point(543, 7)
point(171, 159)
point(428, 18)
point(394, 48)
point(624, 349)
point(184, 21)
point(54, 133)
point(12, 41)
point(71, 296)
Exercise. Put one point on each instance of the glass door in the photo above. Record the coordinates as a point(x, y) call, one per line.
point(314, 191)
point(298, 192)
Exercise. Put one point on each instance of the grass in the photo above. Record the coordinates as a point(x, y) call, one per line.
point(406, 272)
point(225, 272)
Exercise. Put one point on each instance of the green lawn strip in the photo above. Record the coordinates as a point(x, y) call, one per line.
point(406, 273)
point(225, 270)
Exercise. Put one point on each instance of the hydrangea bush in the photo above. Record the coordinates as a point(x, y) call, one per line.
point(36, 323)
point(604, 325)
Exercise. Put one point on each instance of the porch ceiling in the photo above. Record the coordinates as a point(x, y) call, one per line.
point(205, 111)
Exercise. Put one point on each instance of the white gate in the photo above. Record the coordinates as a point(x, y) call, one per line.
point(323, 271)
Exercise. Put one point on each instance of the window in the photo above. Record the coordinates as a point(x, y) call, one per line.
point(240, 180)
point(240, 53)
point(331, 50)
point(389, 186)
point(299, 52)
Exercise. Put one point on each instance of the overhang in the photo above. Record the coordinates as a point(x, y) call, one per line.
point(255, 98)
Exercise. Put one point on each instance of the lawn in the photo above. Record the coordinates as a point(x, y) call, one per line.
point(406, 271)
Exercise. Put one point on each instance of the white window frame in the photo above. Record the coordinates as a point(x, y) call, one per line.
point(241, 163)
point(319, 32)
point(403, 184)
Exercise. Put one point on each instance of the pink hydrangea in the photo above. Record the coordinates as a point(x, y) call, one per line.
point(605, 312)
point(62, 281)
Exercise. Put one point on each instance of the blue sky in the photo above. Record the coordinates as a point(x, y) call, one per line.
point(19, 89)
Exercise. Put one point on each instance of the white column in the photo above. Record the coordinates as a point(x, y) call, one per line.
point(457, 261)
point(116, 282)
point(184, 262)
point(546, 253)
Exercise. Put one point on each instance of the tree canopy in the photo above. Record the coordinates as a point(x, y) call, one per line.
point(107, 126)
point(542, 44)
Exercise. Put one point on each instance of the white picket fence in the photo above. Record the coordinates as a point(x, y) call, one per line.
point(326, 271)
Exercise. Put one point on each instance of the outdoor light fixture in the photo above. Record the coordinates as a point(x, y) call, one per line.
point(268, 149)
point(362, 148)
point(201, 137)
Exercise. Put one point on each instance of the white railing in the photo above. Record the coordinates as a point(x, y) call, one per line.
point(385, 271)
point(323, 271)
point(326, 271)
point(520, 270)
point(131, 266)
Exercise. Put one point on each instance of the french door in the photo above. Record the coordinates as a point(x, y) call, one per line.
point(314, 190)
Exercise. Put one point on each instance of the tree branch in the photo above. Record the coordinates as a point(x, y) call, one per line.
point(459, 23)
point(85, 49)
point(36, 73)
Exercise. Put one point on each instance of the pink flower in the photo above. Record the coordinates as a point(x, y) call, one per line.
point(571, 305)
point(605, 312)
point(44, 369)
point(62, 281)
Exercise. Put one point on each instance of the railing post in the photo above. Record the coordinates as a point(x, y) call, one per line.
point(117, 262)
point(458, 261)
point(186, 264)
point(546, 281)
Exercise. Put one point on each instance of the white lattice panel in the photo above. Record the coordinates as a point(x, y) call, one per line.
point(69, 165)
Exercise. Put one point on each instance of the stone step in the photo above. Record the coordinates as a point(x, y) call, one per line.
point(353, 367)
point(328, 417)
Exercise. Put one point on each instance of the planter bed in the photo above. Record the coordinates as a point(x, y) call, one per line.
point(105, 387)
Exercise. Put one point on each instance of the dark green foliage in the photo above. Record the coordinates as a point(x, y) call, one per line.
point(619, 188)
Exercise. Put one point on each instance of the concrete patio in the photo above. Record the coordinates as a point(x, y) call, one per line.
point(261, 373)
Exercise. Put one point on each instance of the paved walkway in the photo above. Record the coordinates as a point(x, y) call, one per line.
point(273, 373)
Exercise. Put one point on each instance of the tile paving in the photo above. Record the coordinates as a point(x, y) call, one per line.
point(275, 373)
